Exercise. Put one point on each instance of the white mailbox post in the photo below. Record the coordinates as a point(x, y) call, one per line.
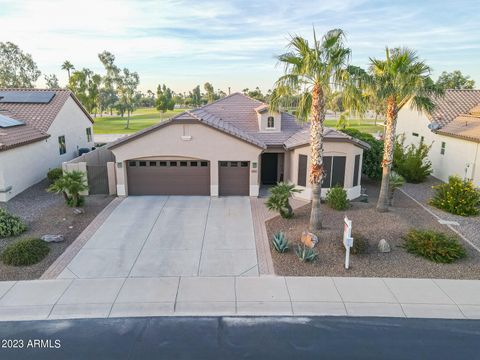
point(347, 240)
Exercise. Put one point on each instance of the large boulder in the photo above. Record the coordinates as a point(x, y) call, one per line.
point(309, 239)
point(52, 238)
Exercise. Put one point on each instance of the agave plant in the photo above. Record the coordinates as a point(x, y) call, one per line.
point(280, 242)
point(305, 254)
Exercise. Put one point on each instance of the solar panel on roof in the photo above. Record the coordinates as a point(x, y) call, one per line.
point(26, 97)
point(6, 122)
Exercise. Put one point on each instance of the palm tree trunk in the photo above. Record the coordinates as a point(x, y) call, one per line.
point(316, 155)
point(389, 143)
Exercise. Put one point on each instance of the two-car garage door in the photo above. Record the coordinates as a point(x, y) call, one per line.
point(168, 177)
point(186, 177)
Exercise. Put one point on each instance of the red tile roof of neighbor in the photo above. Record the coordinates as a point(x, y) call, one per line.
point(458, 114)
point(37, 118)
point(236, 114)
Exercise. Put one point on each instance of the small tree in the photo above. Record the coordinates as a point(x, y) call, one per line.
point(51, 81)
point(70, 185)
point(279, 199)
point(164, 99)
point(17, 69)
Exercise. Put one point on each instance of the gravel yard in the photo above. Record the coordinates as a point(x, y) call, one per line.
point(374, 226)
point(46, 213)
point(469, 226)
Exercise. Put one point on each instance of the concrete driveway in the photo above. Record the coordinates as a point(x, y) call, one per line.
point(147, 236)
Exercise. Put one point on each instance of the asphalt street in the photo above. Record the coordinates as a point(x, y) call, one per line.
point(241, 338)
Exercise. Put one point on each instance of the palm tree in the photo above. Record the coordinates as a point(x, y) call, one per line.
point(67, 65)
point(398, 80)
point(314, 73)
point(70, 185)
point(279, 199)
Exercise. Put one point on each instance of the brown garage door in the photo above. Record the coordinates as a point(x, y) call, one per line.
point(168, 177)
point(234, 178)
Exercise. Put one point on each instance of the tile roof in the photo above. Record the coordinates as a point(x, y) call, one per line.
point(236, 114)
point(458, 114)
point(37, 118)
point(241, 111)
point(465, 127)
point(302, 137)
point(454, 103)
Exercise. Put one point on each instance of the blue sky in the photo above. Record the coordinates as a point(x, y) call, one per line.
point(233, 43)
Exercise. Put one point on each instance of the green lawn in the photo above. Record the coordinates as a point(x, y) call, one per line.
point(364, 125)
point(140, 119)
point(144, 117)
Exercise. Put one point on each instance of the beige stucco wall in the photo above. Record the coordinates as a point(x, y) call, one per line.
point(330, 149)
point(205, 143)
point(262, 121)
point(24, 166)
point(461, 157)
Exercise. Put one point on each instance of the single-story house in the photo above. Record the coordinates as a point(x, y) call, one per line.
point(453, 130)
point(232, 146)
point(39, 130)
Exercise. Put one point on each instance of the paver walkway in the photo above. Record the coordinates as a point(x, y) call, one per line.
point(468, 227)
point(267, 295)
point(147, 236)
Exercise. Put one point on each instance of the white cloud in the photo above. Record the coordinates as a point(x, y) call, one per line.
point(229, 42)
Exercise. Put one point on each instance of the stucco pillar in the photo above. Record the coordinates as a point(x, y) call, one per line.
point(255, 177)
point(121, 172)
point(214, 178)
point(112, 178)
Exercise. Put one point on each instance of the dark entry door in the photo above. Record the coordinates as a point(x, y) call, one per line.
point(269, 168)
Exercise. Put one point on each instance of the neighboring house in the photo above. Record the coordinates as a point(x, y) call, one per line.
point(453, 130)
point(39, 129)
point(230, 147)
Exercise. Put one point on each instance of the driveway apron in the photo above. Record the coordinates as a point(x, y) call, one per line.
point(150, 236)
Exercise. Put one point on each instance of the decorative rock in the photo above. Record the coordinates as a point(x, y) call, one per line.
point(52, 238)
point(383, 246)
point(309, 239)
point(78, 211)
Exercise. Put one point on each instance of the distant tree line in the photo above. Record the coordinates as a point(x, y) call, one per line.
point(117, 89)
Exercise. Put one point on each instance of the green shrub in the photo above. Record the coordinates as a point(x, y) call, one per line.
point(305, 254)
point(70, 185)
point(434, 246)
point(280, 242)
point(459, 197)
point(25, 252)
point(54, 174)
point(279, 199)
point(360, 245)
point(10, 225)
point(372, 158)
point(395, 181)
point(411, 161)
point(337, 198)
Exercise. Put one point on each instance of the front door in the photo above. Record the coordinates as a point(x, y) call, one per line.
point(269, 170)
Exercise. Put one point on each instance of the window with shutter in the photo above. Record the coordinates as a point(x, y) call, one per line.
point(356, 170)
point(302, 170)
